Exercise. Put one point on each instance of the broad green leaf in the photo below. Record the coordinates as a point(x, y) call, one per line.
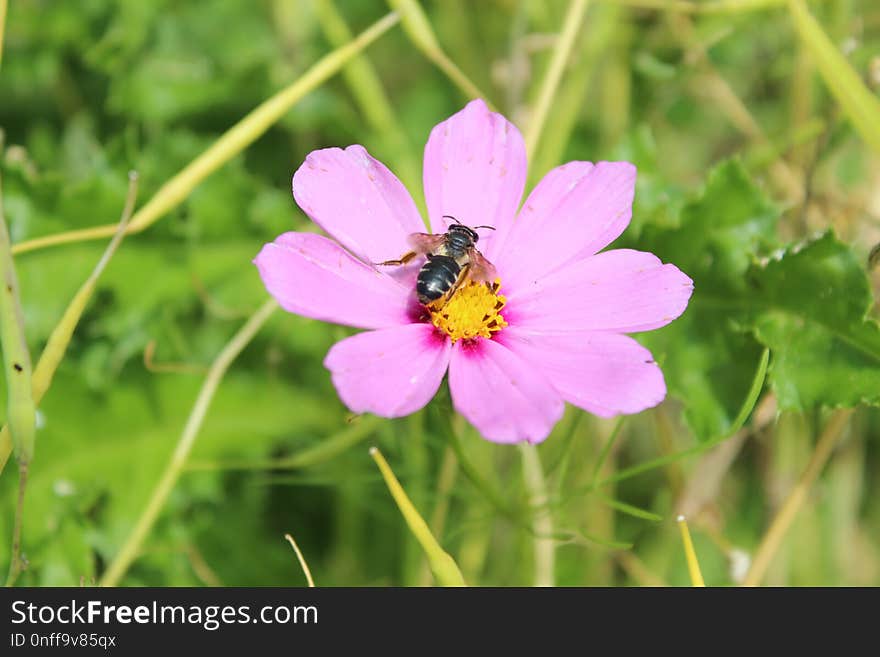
point(708, 356)
point(807, 303)
point(811, 305)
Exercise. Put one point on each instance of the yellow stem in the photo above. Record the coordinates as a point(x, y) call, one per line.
point(132, 546)
point(418, 28)
point(2, 26)
point(446, 571)
point(772, 539)
point(859, 104)
point(56, 346)
point(690, 554)
point(561, 54)
point(450, 68)
point(230, 144)
point(687, 7)
point(366, 87)
point(20, 407)
point(302, 561)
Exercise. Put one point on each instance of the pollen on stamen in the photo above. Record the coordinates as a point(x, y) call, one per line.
point(474, 311)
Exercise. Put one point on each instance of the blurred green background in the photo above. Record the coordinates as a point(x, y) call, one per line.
point(742, 154)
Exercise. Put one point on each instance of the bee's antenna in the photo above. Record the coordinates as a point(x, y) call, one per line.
point(489, 227)
point(449, 216)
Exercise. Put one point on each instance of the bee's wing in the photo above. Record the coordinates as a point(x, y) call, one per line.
point(480, 270)
point(423, 243)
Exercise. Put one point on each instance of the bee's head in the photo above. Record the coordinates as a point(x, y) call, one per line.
point(461, 229)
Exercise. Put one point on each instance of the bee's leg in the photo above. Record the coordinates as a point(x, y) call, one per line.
point(462, 277)
point(405, 258)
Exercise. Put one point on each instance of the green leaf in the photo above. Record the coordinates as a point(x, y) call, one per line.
point(721, 231)
point(807, 303)
point(709, 357)
point(813, 303)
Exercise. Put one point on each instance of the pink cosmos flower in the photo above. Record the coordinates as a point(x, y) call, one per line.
point(552, 328)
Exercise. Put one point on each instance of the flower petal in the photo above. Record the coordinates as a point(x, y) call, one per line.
point(358, 202)
point(576, 210)
point(475, 169)
point(604, 373)
point(391, 372)
point(313, 276)
point(621, 291)
point(501, 394)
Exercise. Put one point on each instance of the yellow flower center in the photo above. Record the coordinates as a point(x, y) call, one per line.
point(474, 311)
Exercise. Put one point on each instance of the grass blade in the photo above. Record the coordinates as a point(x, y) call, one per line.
point(418, 29)
point(230, 144)
point(707, 7)
point(690, 554)
point(744, 412)
point(574, 17)
point(366, 86)
point(361, 428)
point(831, 436)
point(2, 26)
point(21, 411)
point(20, 407)
point(176, 464)
point(302, 562)
point(858, 103)
point(445, 570)
point(628, 509)
point(56, 346)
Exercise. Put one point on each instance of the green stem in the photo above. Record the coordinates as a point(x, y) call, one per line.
point(16, 563)
point(369, 94)
point(745, 410)
point(132, 546)
point(56, 346)
point(2, 27)
point(567, 108)
point(473, 475)
point(628, 509)
point(326, 449)
point(21, 410)
point(606, 449)
point(417, 27)
point(445, 482)
point(542, 519)
point(561, 54)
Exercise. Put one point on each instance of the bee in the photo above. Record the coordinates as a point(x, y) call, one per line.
point(452, 259)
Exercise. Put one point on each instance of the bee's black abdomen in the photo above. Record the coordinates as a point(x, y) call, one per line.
point(436, 278)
